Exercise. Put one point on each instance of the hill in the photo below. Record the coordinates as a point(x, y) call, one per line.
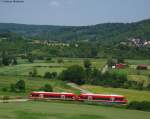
point(108, 32)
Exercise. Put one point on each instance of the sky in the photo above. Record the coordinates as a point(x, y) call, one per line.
point(73, 12)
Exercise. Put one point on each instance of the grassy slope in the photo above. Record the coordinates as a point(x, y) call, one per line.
point(49, 110)
point(132, 95)
point(32, 84)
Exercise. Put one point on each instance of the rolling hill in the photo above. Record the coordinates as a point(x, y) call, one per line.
point(104, 33)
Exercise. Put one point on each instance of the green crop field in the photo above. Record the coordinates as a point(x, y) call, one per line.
point(131, 95)
point(51, 110)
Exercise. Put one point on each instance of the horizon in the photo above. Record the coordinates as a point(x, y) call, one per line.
point(75, 25)
point(73, 12)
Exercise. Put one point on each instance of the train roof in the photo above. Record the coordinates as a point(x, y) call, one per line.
point(113, 95)
point(43, 92)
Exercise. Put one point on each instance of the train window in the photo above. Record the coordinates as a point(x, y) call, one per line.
point(119, 99)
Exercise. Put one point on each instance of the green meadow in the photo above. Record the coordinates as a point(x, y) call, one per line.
point(51, 110)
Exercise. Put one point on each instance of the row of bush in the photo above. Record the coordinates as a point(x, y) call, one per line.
point(144, 105)
point(47, 75)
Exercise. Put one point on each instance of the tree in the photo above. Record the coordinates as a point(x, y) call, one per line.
point(87, 64)
point(75, 74)
point(30, 58)
point(14, 61)
point(120, 60)
point(110, 62)
point(5, 58)
point(20, 85)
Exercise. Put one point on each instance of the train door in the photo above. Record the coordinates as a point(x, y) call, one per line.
point(112, 99)
point(90, 98)
point(41, 96)
point(63, 97)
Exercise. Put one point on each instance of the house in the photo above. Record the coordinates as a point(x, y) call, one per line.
point(142, 67)
point(120, 66)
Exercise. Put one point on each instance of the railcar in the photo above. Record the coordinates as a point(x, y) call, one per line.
point(53, 95)
point(103, 98)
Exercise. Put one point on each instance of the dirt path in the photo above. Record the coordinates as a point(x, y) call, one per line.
point(14, 100)
point(105, 68)
point(73, 85)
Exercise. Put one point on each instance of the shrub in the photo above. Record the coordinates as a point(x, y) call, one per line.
point(5, 99)
point(48, 75)
point(20, 85)
point(54, 74)
point(47, 88)
point(60, 60)
point(33, 73)
point(144, 105)
point(148, 87)
point(4, 89)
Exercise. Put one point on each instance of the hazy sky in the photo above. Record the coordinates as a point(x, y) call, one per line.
point(73, 12)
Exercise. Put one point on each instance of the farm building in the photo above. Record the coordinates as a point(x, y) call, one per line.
point(142, 67)
point(120, 66)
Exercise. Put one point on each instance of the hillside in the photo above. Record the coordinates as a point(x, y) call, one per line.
point(108, 32)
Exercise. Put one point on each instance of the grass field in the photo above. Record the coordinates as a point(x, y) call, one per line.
point(131, 95)
point(32, 84)
point(24, 67)
point(50, 110)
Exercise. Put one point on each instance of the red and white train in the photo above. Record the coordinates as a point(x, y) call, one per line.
point(100, 98)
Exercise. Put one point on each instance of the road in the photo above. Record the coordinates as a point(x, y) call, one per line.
point(73, 85)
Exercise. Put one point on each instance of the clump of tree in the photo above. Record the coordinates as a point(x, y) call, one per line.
point(49, 75)
point(18, 87)
point(111, 79)
point(75, 74)
point(7, 59)
point(134, 85)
